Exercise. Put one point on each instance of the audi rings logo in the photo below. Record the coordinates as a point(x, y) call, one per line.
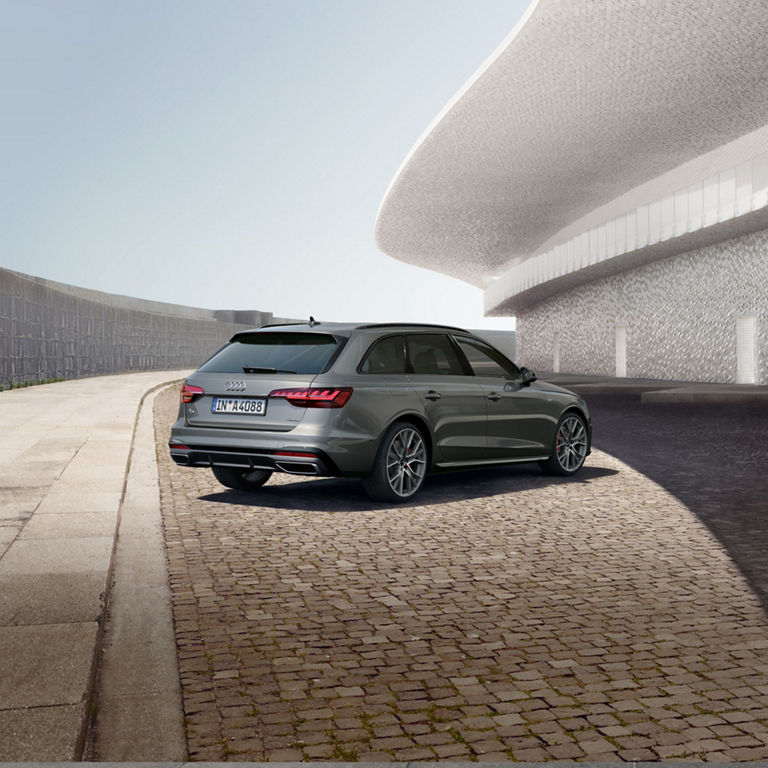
point(234, 386)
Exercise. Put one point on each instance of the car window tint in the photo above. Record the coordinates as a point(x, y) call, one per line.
point(433, 353)
point(385, 356)
point(485, 360)
point(294, 352)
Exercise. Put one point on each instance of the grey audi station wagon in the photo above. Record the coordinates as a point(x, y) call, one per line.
point(385, 402)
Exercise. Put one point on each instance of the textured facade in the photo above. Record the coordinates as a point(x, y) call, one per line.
point(604, 177)
point(51, 330)
point(679, 316)
point(712, 198)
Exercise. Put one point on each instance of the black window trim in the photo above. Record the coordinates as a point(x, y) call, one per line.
point(453, 341)
point(368, 351)
point(456, 336)
point(463, 362)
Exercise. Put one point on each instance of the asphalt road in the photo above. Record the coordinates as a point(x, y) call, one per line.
point(713, 457)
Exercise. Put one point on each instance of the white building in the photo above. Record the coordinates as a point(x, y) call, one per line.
point(604, 177)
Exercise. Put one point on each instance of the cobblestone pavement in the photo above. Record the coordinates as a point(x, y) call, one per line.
point(712, 457)
point(502, 615)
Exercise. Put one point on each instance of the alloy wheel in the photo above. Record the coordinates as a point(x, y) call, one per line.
point(571, 446)
point(406, 462)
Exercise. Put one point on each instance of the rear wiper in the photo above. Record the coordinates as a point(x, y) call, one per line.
point(256, 369)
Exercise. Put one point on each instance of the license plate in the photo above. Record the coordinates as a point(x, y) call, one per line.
point(249, 406)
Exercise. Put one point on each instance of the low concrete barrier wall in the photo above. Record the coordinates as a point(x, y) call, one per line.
point(50, 330)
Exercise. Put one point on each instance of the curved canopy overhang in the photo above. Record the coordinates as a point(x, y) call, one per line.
point(582, 103)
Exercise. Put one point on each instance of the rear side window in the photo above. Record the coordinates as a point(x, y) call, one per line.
point(385, 356)
point(433, 353)
point(307, 353)
point(486, 361)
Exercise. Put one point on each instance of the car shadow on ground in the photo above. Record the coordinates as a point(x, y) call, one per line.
point(333, 494)
point(711, 456)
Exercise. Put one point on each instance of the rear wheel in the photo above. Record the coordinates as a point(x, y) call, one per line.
point(570, 447)
point(400, 465)
point(241, 479)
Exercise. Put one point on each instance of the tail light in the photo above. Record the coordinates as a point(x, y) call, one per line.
point(189, 393)
point(317, 397)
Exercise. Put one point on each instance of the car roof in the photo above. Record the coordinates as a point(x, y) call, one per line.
point(345, 329)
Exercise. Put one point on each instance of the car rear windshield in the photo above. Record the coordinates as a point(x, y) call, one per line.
point(274, 353)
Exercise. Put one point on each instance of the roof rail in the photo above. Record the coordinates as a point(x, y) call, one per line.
point(278, 325)
point(413, 325)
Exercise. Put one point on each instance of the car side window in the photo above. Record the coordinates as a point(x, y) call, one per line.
point(385, 356)
point(434, 354)
point(485, 360)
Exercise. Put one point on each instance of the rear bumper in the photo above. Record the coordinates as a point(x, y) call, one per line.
point(308, 463)
point(333, 450)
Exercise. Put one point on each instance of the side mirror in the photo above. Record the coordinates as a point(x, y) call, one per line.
point(526, 377)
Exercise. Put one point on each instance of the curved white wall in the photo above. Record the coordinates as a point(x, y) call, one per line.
point(708, 194)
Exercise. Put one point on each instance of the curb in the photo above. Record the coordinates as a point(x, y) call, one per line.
point(86, 735)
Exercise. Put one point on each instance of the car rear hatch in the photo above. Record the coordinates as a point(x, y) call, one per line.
point(256, 381)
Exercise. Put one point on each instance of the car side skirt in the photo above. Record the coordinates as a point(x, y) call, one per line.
point(487, 462)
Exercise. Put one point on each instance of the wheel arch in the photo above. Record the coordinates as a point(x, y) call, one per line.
point(574, 408)
point(417, 421)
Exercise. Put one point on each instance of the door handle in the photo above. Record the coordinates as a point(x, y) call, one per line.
point(494, 396)
point(432, 395)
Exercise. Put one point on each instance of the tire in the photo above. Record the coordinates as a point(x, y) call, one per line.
point(570, 446)
point(400, 465)
point(241, 479)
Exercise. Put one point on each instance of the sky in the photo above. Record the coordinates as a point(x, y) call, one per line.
point(230, 154)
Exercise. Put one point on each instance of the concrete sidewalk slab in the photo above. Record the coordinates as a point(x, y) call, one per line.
point(33, 556)
point(69, 525)
point(48, 664)
point(51, 598)
point(58, 502)
point(63, 463)
point(45, 732)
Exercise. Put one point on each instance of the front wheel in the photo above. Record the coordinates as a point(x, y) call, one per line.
point(400, 465)
point(570, 446)
point(241, 479)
